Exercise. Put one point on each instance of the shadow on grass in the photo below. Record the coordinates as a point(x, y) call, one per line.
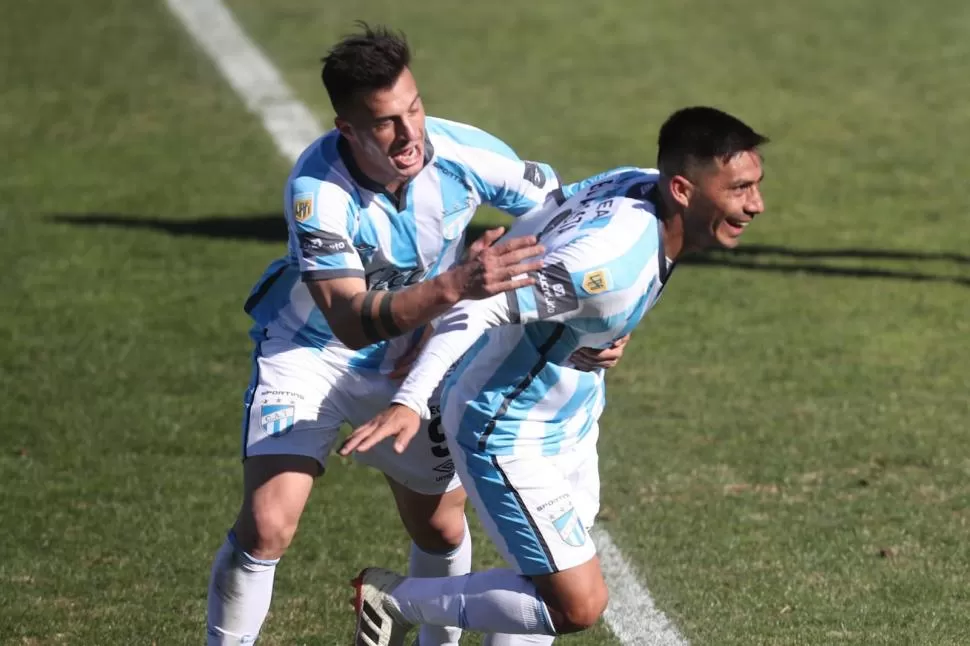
point(271, 228)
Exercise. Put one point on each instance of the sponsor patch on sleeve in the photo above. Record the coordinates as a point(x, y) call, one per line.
point(302, 206)
point(596, 281)
point(534, 174)
point(323, 243)
point(554, 291)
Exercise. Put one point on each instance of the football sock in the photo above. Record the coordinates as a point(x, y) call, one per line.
point(494, 601)
point(454, 563)
point(240, 590)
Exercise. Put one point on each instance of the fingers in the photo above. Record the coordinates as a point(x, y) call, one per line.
point(515, 244)
point(518, 255)
point(587, 359)
point(622, 341)
point(354, 440)
point(511, 285)
point(404, 438)
point(489, 237)
point(367, 436)
point(487, 240)
point(522, 268)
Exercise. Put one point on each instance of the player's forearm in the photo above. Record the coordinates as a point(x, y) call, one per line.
point(377, 315)
point(457, 331)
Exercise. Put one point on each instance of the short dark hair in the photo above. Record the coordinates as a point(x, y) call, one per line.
point(699, 135)
point(369, 60)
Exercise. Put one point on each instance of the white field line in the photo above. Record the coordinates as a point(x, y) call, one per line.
point(632, 616)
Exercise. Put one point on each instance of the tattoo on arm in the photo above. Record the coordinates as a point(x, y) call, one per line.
point(367, 319)
point(387, 317)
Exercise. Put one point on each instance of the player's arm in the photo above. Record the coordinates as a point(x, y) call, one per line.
point(324, 215)
point(553, 297)
point(360, 317)
point(455, 333)
point(501, 178)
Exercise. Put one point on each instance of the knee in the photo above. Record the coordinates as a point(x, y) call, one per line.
point(579, 612)
point(443, 532)
point(266, 532)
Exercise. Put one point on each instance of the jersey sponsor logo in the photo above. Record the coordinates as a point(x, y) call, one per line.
point(447, 172)
point(554, 291)
point(302, 206)
point(534, 174)
point(323, 243)
point(391, 278)
point(596, 281)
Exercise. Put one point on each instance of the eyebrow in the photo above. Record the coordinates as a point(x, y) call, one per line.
point(740, 183)
point(417, 97)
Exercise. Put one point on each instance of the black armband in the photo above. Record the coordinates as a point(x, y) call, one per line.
point(387, 317)
point(367, 322)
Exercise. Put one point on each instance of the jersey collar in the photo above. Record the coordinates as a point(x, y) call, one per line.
point(664, 266)
point(365, 182)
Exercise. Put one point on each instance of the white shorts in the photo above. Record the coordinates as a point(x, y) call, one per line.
point(296, 403)
point(536, 509)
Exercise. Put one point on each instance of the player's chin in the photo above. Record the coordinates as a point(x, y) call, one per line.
point(728, 237)
point(728, 242)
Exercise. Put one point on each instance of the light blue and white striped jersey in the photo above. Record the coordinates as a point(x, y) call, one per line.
point(341, 224)
point(515, 391)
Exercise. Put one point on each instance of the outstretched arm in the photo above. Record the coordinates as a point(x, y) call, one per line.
point(454, 335)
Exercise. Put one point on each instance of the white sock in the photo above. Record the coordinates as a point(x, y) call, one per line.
point(454, 563)
point(240, 589)
point(517, 640)
point(494, 601)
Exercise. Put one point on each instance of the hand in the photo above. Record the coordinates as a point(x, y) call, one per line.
point(588, 359)
point(489, 268)
point(403, 364)
point(397, 420)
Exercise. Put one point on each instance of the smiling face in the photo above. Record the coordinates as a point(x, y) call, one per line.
point(722, 201)
point(386, 132)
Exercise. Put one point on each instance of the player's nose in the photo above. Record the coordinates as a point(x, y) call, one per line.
point(755, 203)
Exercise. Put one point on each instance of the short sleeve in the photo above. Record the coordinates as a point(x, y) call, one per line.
point(321, 217)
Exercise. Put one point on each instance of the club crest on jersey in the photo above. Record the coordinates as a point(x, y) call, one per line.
point(570, 528)
point(277, 419)
point(302, 206)
point(596, 281)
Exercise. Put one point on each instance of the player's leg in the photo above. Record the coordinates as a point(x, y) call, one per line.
point(428, 495)
point(276, 488)
point(526, 507)
point(286, 440)
point(440, 544)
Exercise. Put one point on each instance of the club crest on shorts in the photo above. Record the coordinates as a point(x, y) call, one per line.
point(570, 528)
point(277, 419)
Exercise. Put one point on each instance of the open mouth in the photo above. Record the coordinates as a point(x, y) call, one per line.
point(735, 226)
point(407, 157)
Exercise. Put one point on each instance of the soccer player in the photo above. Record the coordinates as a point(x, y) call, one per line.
point(376, 210)
point(521, 424)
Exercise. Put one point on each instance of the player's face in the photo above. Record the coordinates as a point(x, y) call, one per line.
point(725, 199)
point(386, 132)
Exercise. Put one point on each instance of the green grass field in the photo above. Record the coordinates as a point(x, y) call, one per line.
point(784, 450)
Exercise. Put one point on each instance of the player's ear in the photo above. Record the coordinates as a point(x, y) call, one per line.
point(344, 127)
point(681, 189)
